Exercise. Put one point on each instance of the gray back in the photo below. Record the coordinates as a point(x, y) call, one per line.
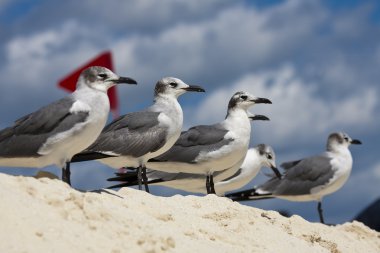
point(134, 134)
point(203, 138)
point(302, 177)
point(30, 132)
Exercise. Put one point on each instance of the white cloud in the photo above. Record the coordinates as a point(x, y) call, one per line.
point(231, 43)
point(35, 59)
point(298, 112)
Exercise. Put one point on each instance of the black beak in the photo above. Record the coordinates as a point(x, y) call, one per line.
point(258, 117)
point(275, 170)
point(261, 101)
point(125, 80)
point(356, 142)
point(195, 88)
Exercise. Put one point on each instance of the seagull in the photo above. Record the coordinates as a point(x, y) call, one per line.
point(257, 157)
point(56, 132)
point(206, 149)
point(309, 179)
point(133, 139)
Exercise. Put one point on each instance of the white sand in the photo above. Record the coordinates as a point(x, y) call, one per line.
point(44, 215)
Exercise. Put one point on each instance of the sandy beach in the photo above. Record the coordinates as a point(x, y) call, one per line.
point(46, 215)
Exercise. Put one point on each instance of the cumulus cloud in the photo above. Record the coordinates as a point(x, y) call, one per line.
point(121, 17)
point(297, 109)
point(37, 55)
point(233, 42)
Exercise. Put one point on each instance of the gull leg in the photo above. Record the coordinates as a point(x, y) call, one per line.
point(320, 212)
point(145, 178)
point(212, 188)
point(66, 173)
point(139, 177)
point(208, 184)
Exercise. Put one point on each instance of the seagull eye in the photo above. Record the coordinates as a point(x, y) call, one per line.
point(103, 76)
point(269, 156)
point(173, 84)
point(244, 97)
point(346, 139)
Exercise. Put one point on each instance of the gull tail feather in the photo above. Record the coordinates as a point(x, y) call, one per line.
point(88, 156)
point(128, 179)
point(247, 195)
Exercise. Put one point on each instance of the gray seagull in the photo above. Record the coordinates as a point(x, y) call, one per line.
point(56, 132)
point(206, 149)
point(132, 139)
point(309, 179)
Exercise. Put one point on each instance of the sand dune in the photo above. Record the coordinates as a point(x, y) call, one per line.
point(45, 215)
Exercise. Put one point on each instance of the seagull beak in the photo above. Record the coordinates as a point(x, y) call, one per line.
point(195, 88)
point(258, 117)
point(275, 170)
point(355, 141)
point(261, 101)
point(122, 79)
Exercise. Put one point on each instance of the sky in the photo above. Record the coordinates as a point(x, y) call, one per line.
point(317, 61)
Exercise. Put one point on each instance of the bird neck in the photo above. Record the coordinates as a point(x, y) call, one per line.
point(169, 105)
point(341, 150)
point(87, 93)
point(238, 122)
point(336, 147)
point(83, 87)
point(237, 113)
point(165, 99)
point(341, 155)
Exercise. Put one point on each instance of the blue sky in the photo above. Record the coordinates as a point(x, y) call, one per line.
point(316, 60)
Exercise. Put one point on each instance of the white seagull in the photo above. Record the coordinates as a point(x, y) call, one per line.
point(260, 156)
point(206, 149)
point(309, 179)
point(133, 139)
point(56, 132)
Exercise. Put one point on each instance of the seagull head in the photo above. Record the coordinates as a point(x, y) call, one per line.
point(174, 87)
point(340, 139)
point(244, 100)
point(268, 158)
point(100, 78)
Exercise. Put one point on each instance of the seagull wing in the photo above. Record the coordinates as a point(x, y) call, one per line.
point(134, 134)
point(302, 177)
point(191, 143)
point(29, 133)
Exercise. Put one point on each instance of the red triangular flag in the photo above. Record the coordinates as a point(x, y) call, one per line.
point(104, 60)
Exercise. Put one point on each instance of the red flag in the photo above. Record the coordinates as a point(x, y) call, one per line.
point(104, 60)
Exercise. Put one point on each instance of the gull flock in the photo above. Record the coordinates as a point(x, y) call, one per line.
point(153, 150)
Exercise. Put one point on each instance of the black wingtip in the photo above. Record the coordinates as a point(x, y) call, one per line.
point(89, 156)
point(247, 195)
point(120, 185)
